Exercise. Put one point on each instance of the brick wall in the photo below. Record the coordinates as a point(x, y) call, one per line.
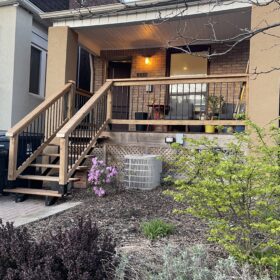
point(139, 98)
point(99, 65)
point(232, 63)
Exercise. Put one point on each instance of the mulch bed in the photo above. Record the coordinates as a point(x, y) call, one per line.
point(121, 212)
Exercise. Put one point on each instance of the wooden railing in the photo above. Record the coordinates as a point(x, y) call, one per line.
point(37, 129)
point(77, 118)
point(79, 135)
point(189, 100)
point(81, 98)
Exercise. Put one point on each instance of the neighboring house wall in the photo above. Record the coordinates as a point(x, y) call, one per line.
point(16, 34)
point(7, 49)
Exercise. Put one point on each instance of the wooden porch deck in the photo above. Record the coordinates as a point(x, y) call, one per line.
point(75, 120)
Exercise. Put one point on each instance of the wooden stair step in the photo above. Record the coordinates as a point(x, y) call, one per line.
point(50, 155)
point(43, 165)
point(52, 144)
point(44, 178)
point(90, 156)
point(40, 192)
point(82, 167)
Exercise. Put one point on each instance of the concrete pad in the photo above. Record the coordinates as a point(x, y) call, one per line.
point(33, 209)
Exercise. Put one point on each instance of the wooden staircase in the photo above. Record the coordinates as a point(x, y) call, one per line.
point(55, 141)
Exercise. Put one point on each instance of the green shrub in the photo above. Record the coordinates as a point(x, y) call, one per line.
point(157, 228)
point(236, 190)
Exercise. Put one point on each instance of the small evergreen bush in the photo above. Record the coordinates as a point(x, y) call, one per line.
point(157, 228)
point(76, 253)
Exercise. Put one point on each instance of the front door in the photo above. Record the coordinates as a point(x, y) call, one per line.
point(120, 70)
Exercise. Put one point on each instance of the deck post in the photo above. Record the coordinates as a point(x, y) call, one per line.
point(63, 168)
point(71, 100)
point(109, 104)
point(13, 157)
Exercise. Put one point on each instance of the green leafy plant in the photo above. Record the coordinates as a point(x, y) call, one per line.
point(240, 116)
point(220, 128)
point(215, 105)
point(157, 228)
point(236, 190)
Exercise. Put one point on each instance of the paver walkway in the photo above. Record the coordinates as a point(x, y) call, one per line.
point(31, 210)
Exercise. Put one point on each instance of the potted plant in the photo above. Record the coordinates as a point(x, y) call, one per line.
point(214, 108)
point(239, 116)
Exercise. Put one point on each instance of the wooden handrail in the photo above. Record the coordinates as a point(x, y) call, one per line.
point(36, 112)
point(84, 92)
point(180, 79)
point(80, 115)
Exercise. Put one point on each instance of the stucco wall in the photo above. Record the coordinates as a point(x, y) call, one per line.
point(62, 58)
point(264, 56)
point(15, 37)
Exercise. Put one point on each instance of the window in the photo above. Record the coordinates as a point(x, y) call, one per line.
point(85, 70)
point(187, 64)
point(187, 101)
point(37, 71)
point(35, 65)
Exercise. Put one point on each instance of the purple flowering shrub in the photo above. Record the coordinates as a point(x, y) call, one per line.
point(78, 252)
point(101, 175)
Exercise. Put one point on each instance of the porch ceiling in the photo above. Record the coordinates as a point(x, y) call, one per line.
point(149, 35)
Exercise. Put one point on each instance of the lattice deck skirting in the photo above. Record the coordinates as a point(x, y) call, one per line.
point(114, 154)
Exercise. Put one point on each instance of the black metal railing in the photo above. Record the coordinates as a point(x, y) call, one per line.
point(43, 127)
point(81, 137)
point(181, 101)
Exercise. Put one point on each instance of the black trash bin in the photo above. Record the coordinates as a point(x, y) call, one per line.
point(27, 144)
point(4, 155)
point(141, 116)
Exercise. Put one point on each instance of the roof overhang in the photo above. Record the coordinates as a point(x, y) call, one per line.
point(171, 33)
point(115, 27)
point(139, 11)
